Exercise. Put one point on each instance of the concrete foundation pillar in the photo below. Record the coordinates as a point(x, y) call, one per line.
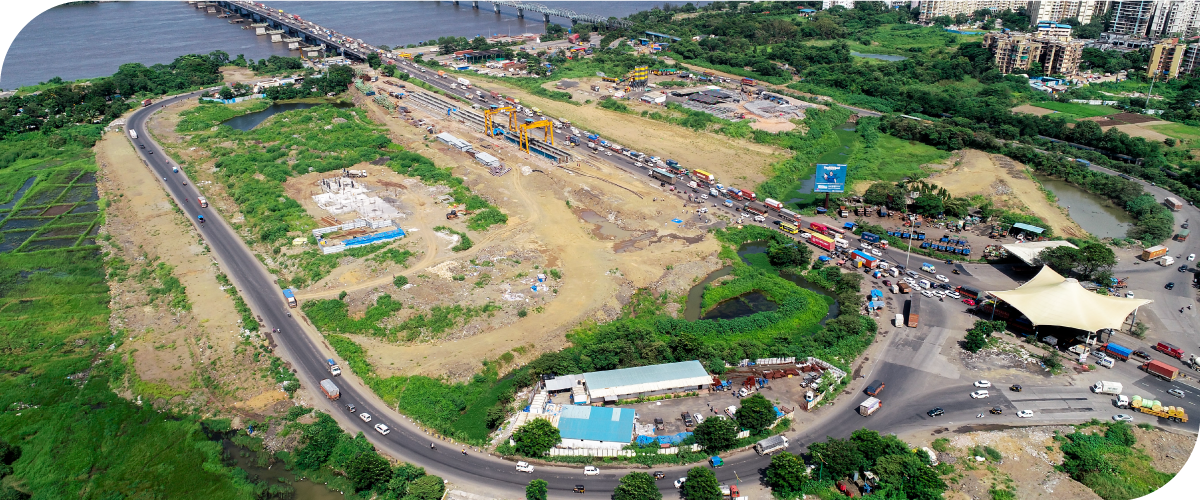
point(520, 13)
point(496, 7)
point(475, 4)
point(545, 18)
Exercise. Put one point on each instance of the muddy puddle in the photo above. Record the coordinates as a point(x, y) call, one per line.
point(629, 241)
point(282, 483)
point(20, 193)
point(742, 305)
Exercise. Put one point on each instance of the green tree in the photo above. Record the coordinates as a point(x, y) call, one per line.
point(637, 486)
point(701, 484)
point(756, 414)
point(536, 438)
point(786, 475)
point(496, 415)
point(373, 60)
point(426, 488)
point(368, 469)
point(388, 70)
point(886, 194)
point(840, 457)
point(400, 280)
point(225, 92)
point(716, 434)
point(928, 205)
point(873, 445)
point(538, 489)
point(789, 255)
point(975, 341)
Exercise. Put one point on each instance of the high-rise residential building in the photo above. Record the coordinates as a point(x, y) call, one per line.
point(829, 4)
point(1014, 53)
point(1167, 58)
point(1057, 10)
point(1176, 18)
point(933, 9)
point(1133, 18)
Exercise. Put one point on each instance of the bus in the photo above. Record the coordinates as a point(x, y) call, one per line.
point(788, 228)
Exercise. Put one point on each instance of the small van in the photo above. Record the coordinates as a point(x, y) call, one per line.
point(1105, 362)
point(899, 320)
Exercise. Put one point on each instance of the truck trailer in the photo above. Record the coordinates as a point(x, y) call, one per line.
point(1156, 408)
point(773, 205)
point(1173, 204)
point(1106, 387)
point(1160, 369)
point(1154, 252)
point(290, 296)
point(871, 405)
point(914, 309)
point(771, 445)
point(133, 133)
point(203, 202)
point(1118, 351)
point(331, 391)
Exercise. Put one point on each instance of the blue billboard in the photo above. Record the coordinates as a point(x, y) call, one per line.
point(831, 178)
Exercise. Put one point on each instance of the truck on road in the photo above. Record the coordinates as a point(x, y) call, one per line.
point(1156, 408)
point(464, 82)
point(334, 369)
point(927, 267)
point(914, 309)
point(331, 391)
point(1154, 252)
point(290, 296)
point(1160, 369)
point(773, 205)
point(1118, 351)
point(771, 445)
point(147, 102)
point(133, 133)
point(1106, 387)
point(1169, 350)
point(871, 405)
point(1173, 204)
point(203, 202)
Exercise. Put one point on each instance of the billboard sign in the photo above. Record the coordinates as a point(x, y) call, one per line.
point(831, 178)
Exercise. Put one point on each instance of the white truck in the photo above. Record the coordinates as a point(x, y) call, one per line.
point(1166, 261)
point(334, 369)
point(464, 82)
point(1106, 387)
point(771, 445)
point(133, 133)
point(871, 405)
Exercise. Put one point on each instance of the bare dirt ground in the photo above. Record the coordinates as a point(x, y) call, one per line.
point(1033, 110)
point(1140, 130)
point(1003, 180)
point(235, 74)
point(727, 158)
point(173, 349)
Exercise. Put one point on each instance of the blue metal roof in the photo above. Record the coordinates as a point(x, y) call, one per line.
point(596, 423)
point(1027, 227)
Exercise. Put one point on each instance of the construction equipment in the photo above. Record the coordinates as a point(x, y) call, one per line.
point(530, 124)
point(489, 121)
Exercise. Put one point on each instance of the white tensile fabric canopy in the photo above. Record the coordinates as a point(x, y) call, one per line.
point(1050, 299)
point(1028, 252)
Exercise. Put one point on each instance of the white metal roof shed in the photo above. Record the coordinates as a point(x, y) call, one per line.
point(654, 378)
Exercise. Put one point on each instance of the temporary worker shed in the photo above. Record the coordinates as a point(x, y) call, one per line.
point(487, 159)
point(628, 383)
point(1050, 299)
point(1027, 228)
point(1028, 252)
point(596, 426)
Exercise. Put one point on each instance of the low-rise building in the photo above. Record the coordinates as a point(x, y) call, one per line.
point(643, 381)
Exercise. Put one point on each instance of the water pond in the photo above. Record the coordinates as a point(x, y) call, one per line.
point(251, 120)
point(1094, 213)
point(881, 57)
point(749, 303)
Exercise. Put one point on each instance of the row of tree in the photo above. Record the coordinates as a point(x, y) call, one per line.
point(323, 444)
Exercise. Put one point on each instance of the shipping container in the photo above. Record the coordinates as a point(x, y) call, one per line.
point(1173, 204)
point(1160, 369)
point(756, 208)
point(818, 227)
point(1153, 252)
point(704, 176)
point(914, 310)
point(1118, 351)
point(822, 241)
point(871, 237)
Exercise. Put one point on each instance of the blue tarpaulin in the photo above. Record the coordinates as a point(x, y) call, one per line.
point(375, 238)
point(677, 221)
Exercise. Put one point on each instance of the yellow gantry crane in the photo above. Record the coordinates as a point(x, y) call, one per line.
point(489, 121)
point(547, 130)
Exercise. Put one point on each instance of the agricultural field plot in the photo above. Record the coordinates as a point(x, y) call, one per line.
point(58, 209)
point(1187, 135)
point(1077, 110)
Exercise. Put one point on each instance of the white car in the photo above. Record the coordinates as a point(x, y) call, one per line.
point(1191, 256)
point(979, 394)
point(524, 467)
point(608, 153)
point(366, 417)
point(927, 293)
point(864, 246)
point(1129, 295)
point(876, 252)
point(591, 471)
point(910, 281)
point(939, 293)
point(698, 418)
point(638, 164)
point(1121, 417)
point(383, 429)
point(679, 482)
point(759, 218)
point(703, 196)
point(1025, 413)
point(953, 294)
point(983, 383)
point(941, 278)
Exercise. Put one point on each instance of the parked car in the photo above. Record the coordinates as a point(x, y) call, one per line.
point(1025, 413)
point(982, 383)
point(996, 410)
point(1129, 295)
point(591, 471)
point(979, 394)
point(953, 294)
point(1171, 285)
point(1016, 388)
point(1141, 354)
point(927, 293)
point(524, 467)
point(366, 417)
point(1191, 257)
point(936, 412)
point(969, 302)
point(698, 418)
point(941, 278)
point(578, 488)
point(383, 429)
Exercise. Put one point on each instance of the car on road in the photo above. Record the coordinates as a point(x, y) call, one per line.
point(350, 408)
point(366, 417)
point(941, 278)
point(578, 488)
point(638, 164)
point(659, 475)
point(383, 429)
point(979, 394)
point(936, 412)
point(996, 410)
point(679, 482)
point(953, 294)
point(969, 302)
point(1170, 286)
point(876, 252)
point(864, 246)
point(927, 293)
point(1016, 388)
point(1183, 268)
point(1121, 417)
point(1191, 257)
point(910, 281)
point(1141, 354)
point(524, 467)
point(698, 418)
point(608, 153)
point(983, 383)
point(939, 293)
point(1175, 392)
point(1129, 295)
point(591, 471)
point(1025, 413)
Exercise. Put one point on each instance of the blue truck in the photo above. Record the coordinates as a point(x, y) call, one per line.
point(1118, 351)
point(871, 237)
point(290, 296)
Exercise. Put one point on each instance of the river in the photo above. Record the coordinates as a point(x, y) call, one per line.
point(1094, 213)
point(92, 40)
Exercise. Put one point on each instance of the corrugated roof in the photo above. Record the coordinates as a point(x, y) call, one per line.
point(646, 378)
point(1027, 227)
point(596, 423)
point(561, 383)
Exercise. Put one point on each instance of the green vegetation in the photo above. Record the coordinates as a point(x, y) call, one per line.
point(716, 434)
point(1187, 135)
point(701, 484)
point(903, 471)
point(169, 286)
point(210, 114)
point(538, 489)
point(1109, 464)
point(416, 165)
point(464, 242)
point(978, 335)
point(395, 255)
point(535, 438)
point(248, 320)
point(332, 317)
point(1080, 110)
point(756, 414)
point(637, 486)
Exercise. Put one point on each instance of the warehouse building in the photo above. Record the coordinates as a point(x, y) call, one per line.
point(595, 427)
point(629, 383)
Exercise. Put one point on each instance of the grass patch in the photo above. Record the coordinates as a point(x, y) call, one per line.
point(1186, 134)
point(1080, 110)
point(210, 114)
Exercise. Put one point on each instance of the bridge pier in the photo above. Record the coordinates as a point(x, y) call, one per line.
point(520, 13)
point(475, 4)
point(496, 7)
point(545, 18)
